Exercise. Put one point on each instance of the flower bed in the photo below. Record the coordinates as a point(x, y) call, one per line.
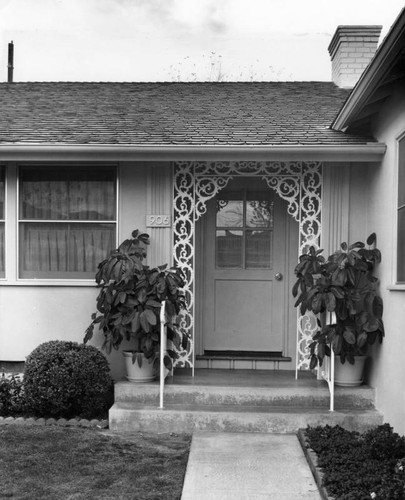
point(354, 466)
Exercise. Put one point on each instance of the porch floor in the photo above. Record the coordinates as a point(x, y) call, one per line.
point(245, 378)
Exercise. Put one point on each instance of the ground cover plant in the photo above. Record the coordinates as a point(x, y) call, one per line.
point(360, 466)
point(78, 464)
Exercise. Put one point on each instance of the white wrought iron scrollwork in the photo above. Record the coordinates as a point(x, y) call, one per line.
point(310, 203)
point(288, 188)
point(205, 189)
point(195, 183)
point(183, 251)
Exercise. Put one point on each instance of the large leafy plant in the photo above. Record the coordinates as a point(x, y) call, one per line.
point(344, 285)
point(130, 300)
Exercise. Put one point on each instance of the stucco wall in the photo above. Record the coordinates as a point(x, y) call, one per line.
point(31, 315)
point(387, 373)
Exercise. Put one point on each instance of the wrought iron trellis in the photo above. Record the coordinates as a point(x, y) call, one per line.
point(195, 183)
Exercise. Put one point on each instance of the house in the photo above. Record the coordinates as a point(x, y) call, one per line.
point(231, 180)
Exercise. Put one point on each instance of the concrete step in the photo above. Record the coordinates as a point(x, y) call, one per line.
point(125, 417)
point(240, 401)
point(300, 397)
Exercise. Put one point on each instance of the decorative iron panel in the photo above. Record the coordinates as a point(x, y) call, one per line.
point(195, 183)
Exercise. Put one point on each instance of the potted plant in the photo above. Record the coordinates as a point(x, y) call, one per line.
point(344, 286)
point(129, 304)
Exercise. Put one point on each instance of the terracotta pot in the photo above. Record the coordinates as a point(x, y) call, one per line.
point(139, 374)
point(347, 375)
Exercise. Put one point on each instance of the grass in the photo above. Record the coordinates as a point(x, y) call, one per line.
point(44, 462)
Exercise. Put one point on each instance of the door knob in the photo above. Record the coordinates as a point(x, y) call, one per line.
point(279, 277)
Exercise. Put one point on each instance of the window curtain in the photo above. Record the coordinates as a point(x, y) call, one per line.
point(67, 195)
point(64, 250)
point(59, 233)
point(2, 256)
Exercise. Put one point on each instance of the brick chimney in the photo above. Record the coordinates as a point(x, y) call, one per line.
point(351, 49)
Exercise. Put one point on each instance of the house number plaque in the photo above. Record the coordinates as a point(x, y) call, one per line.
point(158, 221)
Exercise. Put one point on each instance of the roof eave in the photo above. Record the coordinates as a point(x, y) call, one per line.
point(370, 152)
point(371, 77)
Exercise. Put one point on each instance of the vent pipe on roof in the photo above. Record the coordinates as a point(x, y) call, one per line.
point(10, 64)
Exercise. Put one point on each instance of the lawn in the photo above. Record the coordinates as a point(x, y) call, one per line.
point(50, 462)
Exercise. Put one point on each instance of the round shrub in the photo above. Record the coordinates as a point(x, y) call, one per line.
point(67, 379)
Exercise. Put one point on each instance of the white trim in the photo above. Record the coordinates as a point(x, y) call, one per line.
point(48, 282)
point(118, 197)
point(11, 224)
point(67, 221)
point(369, 152)
point(4, 220)
point(396, 287)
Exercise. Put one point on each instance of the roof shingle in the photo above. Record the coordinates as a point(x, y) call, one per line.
point(275, 113)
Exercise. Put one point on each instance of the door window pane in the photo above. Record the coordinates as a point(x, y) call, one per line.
point(229, 246)
point(67, 221)
point(259, 214)
point(244, 225)
point(258, 249)
point(230, 213)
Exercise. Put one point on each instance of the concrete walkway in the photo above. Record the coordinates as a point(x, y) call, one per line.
point(247, 466)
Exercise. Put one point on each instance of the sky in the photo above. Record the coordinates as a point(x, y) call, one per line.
point(179, 40)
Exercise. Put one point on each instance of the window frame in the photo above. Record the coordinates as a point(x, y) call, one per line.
point(400, 144)
point(3, 220)
point(66, 281)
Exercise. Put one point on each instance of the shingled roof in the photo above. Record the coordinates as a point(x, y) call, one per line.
point(275, 113)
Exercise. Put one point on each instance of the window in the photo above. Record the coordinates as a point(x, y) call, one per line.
point(2, 221)
point(244, 230)
point(67, 220)
point(401, 213)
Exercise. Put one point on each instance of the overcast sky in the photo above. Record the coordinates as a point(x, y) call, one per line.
point(166, 40)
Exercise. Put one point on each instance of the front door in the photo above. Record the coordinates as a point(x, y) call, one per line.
point(244, 264)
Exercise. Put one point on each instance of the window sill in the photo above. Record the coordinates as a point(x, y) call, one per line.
point(74, 283)
point(397, 288)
